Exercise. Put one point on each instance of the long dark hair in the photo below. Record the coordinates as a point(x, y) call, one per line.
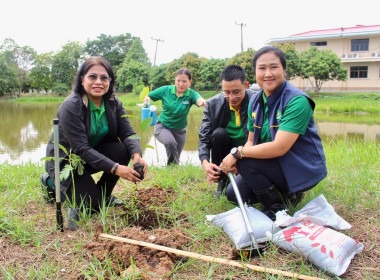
point(83, 69)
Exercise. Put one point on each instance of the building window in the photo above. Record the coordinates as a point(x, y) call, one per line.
point(317, 44)
point(359, 72)
point(358, 45)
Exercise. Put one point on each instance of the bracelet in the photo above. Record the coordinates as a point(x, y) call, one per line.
point(115, 168)
point(240, 149)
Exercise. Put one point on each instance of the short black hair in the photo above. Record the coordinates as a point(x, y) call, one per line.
point(233, 72)
point(85, 67)
point(278, 52)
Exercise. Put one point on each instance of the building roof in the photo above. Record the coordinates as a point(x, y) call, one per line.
point(357, 28)
point(356, 31)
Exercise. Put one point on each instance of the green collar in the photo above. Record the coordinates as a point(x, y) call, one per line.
point(173, 90)
point(94, 108)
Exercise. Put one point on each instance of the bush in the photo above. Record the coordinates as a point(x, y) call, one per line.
point(61, 88)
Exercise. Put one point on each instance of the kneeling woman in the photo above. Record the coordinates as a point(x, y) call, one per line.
point(92, 126)
point(283, 156)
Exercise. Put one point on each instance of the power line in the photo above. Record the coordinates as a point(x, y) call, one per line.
point(241, 34)
point(155, 53)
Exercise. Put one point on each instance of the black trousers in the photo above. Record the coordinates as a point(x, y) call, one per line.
point(257, 175)
point(85, 191)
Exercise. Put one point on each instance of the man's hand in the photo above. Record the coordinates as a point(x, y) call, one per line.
point(212, 171)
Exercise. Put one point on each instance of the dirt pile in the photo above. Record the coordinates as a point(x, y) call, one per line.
point(144, 216)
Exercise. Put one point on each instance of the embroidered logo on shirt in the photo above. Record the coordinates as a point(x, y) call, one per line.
point(278, 115)
point(253, 117)
point(186, 102)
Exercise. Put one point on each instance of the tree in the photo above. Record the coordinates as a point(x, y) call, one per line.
point(322, 66)
point(209, 73)
point(157, 76)
point(135, 69)
point(190, 61)
point(22, 59)
point(293, 63)
point(111, 48)
point(8, 74)
point(41, 72)
point(65, 63)
point(244, 59)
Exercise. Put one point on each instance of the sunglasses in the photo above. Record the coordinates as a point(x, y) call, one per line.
point(103, 78)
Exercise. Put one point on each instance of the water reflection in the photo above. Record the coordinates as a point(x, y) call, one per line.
point(26, 128)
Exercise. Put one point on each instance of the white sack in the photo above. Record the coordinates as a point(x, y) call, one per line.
point(318, 211)
point(233, 225)
point(326, 248)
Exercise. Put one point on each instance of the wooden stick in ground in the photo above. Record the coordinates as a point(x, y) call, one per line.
point(207, 258)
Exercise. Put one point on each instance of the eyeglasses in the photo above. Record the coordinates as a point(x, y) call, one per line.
point(103, 78)
point(233, 93)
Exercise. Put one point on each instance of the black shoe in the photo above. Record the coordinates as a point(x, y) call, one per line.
point(291, 200)
point(113, 201)
point(48, 193)
point(272, 202)
point(73, 218)
point(220, 189)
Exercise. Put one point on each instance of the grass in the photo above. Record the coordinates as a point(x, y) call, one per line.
point(28, 228)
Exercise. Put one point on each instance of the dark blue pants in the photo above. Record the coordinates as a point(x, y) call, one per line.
point(86, 190)
point(256, 175)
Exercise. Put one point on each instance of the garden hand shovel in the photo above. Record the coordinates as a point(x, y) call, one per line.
point(57, 182)
point(242, 209)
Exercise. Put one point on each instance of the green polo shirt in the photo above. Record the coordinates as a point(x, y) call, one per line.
point(295, 119)
point(99, 124)
point(174, 109)
point(234, 128)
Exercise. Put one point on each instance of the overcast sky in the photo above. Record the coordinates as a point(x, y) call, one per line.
point(209, 28)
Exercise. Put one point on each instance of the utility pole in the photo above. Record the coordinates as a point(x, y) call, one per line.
point(155, 53)
point(241, 34)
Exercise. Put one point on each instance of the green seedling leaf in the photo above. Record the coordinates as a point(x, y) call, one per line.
point(65, 173)
point(134, 136)
point(146, 123)
point(143, 93)
point(63, 148)
point(47, 158)
point(149, 146)
point(129, 116)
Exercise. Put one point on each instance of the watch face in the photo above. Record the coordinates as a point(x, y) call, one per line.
point(233, 150)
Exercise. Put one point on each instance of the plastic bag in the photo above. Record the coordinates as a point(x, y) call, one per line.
point(233, 225)
point(318, 211)
point(326, 248)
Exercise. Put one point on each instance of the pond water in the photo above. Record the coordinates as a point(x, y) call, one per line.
point(26, 128)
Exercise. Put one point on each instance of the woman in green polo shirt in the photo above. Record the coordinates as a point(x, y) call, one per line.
point(177, 99)
point(93, 126)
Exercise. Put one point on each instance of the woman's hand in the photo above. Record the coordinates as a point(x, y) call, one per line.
point(127, 173)
point(146, 99)
point(229, 164)
point(201, 102)
point(138, 159)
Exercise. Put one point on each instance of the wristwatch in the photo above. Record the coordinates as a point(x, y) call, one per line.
point(234, 152)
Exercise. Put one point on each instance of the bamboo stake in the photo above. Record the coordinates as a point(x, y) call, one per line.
point(208, 258)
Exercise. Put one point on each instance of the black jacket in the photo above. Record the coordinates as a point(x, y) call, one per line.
point(74, 116)
point(217, 114)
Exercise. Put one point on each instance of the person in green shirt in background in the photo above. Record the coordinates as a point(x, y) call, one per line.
point(177, 99)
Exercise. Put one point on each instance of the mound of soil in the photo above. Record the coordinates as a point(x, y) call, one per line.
point(145, 262)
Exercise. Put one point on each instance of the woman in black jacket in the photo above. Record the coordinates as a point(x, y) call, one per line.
point(92, 126)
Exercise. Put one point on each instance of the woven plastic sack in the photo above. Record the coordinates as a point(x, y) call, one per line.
point(326, 248)
point(233, 225)
point(318, 211)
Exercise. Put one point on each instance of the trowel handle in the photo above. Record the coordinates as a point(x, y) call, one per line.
point(57, 182)
point(242, 208)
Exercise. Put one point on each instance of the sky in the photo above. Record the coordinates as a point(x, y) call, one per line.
point(210, 28)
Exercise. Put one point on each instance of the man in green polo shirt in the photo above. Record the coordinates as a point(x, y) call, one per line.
point(224, 124)
point(170, 129)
